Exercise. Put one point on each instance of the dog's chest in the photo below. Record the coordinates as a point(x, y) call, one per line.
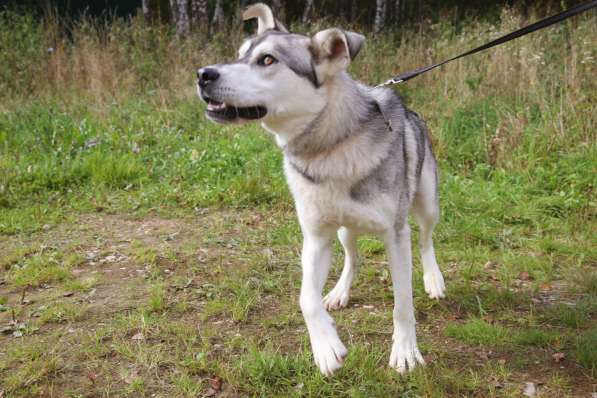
point(329, 204)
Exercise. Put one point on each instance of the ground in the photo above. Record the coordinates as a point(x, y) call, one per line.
point(206, 305)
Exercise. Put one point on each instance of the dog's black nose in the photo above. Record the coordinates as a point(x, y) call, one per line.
point(206, 75)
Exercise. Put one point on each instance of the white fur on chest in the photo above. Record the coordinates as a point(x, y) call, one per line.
point(330, 205)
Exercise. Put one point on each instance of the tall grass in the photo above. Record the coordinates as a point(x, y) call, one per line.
point(105, 112)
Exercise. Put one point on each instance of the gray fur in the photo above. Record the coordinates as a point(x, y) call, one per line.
point(381, 116)
point(290, 49)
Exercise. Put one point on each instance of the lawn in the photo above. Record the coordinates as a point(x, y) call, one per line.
point(145, 251)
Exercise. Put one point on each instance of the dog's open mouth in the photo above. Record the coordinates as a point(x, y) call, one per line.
point(222, 112)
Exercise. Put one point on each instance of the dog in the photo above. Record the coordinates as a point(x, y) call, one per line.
point(356, 161)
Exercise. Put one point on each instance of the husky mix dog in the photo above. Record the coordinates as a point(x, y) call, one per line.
point(356, 160)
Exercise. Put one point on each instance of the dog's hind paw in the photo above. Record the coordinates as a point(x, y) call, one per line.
point(336, 299)
point(434, 284)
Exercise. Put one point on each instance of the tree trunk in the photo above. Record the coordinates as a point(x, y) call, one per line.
point(397, 16)
point(379, 16)
point(199, 17)
point(146, 7)
point(307, 10)
point(182, 20)
point(218, 19)
point(278, 9)
point(174, 12)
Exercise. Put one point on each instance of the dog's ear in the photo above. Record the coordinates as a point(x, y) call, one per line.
point(334, 49)
point(265, 18)
point(355, 43)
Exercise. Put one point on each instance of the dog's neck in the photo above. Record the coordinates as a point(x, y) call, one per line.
point(342, 112)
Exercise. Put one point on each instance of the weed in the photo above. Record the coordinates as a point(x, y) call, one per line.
point(586, 351)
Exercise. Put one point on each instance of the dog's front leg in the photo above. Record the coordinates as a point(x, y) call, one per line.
point(404, 348)
point(328, 350)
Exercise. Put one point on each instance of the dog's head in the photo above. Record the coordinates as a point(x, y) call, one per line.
point(278, 76)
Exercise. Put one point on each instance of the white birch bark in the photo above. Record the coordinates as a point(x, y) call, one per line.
point(307, 11)
point(378, 24)
point(199, 17)
point(146, 7)
point(182, 20)
point(218, 19)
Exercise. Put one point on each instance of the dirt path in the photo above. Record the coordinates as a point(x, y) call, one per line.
point(185, 307)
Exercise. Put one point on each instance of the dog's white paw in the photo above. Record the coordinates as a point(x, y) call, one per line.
point(405, 353)
point(337, 298)
point(328, 351)
point(434, 284)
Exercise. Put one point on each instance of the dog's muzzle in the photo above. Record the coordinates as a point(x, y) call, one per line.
point(220, 111)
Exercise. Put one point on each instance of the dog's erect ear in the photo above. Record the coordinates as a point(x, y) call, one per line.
point(355, 43)
point(265, 18)
point(333, 49)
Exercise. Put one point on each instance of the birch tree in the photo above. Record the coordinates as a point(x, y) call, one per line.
point(307, 10)
point(277, 9)
point(146, 7)
point(199, 16)
point(183, 26)
point(174, 12)
point(380, 7)
point(398, 11)
point(218, 18)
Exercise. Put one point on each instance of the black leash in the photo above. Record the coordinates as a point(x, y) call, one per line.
point(510, 36)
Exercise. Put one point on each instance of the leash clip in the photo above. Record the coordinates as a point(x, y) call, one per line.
point(389, 82)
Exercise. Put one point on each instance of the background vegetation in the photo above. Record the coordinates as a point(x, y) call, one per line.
point(145, 250)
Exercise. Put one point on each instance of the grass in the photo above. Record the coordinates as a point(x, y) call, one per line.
point(146, 251)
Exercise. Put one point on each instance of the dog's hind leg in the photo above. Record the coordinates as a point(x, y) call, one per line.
point(338, 297)
point(405, 353)
point(328, 350)
point(426, 211)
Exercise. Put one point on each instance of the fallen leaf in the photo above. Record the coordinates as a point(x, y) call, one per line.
point(558, 357)
point(529, 389)
point(130, 378)
point(545, 286)
point(139, 336)
point(92, 377)
point(68, 294)
point(216, 383)
point(255, 219)
point(524, 276)
point(210, 392)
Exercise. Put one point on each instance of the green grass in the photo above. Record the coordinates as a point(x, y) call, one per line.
point(145, 250)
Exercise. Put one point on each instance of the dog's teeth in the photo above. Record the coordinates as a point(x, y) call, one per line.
point(216, 107)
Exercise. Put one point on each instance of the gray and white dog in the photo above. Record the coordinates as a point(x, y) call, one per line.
point(355, 158)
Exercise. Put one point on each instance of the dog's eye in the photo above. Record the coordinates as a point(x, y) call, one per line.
point(267, 60)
